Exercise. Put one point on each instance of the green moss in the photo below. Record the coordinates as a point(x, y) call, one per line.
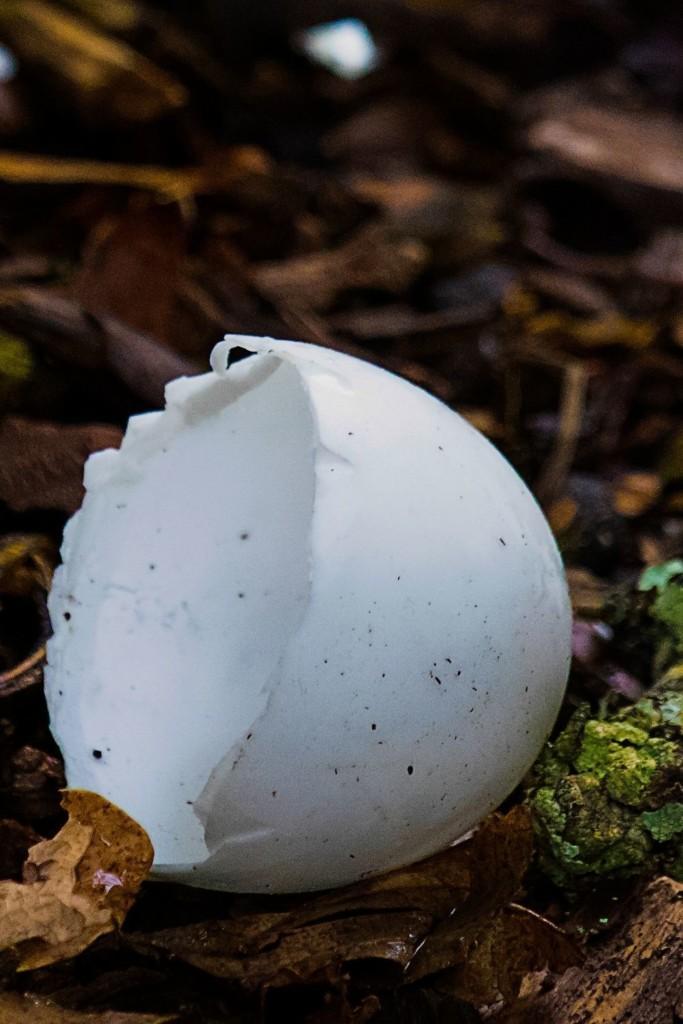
point(582, 833)
point(602, 794)
point(624, 756)
point(668, 611)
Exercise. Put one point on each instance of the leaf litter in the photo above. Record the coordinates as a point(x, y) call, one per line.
point(494, 212)
point(75, 887)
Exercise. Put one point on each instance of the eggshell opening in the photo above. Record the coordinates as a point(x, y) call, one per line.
point(313, 624)
point(168, 621)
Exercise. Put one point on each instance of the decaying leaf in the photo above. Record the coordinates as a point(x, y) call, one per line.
point(495, 959)
point(593, 332)
point(393, 918)
point(605, 141)
point(97, 69)
point(32, 783)
point(63, 329)
point(427, 208)
point(636, 979)
point(41, 464)
point(635, 493)
point(230, 166)
point(76, 886)
point(131, 266)
point(117, 15)
point(16, 1008)
point(588, 594)
point(27, 561)
point(25, 168)
point(372, 258)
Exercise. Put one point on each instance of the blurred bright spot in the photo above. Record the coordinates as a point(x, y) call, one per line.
point(345, 47)
point(8, 64)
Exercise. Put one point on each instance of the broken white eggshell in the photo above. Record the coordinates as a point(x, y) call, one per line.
point(310, 624)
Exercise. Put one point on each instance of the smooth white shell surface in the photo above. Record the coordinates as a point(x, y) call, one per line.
point(310, 624)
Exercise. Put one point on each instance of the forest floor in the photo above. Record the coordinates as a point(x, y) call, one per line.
point(493, 210)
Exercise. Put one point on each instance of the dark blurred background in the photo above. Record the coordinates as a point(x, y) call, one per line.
point(485, 197)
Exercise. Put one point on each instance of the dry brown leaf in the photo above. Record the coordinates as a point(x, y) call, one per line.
point(387, 918)
point(303, 956)
point(593, 332)
point(373, 258)
point(115, 15)
point(41, 464)
point(131, 266)
point(635, 493)
point(27, 561)
point(63, 329)
point(16, 1008)
point(32, 783)
point(487, 958)
point(497, 958)
point(76, 886)
point(561, 513)
point(99, 70)
point(426, 208)
point(588, 593)
point(229, 167)
point(606, 141)
point(25, 168)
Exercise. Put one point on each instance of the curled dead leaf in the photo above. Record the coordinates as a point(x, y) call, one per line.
point(392, 918)
point(488, 961)
point(76, 886)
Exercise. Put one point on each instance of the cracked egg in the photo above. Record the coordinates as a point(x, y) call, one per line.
point(309, 626)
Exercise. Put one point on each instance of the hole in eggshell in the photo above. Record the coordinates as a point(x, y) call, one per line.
point(237, 354)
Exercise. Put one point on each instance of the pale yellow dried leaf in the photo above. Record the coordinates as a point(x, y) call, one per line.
point(95, 64)
point(116, 15)
point(24, 168)
point(232, 165)
point(76, 886)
